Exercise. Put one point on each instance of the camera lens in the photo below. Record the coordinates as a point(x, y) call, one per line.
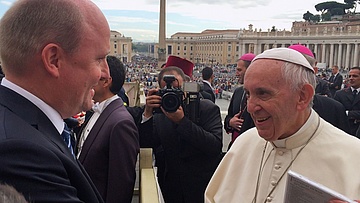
point(170, 102)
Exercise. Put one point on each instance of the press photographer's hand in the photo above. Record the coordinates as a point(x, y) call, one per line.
point(176, 116)
point(152, 101)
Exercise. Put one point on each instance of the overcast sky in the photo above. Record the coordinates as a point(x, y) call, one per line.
point(139, 19)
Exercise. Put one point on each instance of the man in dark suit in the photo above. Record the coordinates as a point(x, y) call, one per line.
point(332, 111)
point(208, 77)
point(350, 98)
point(335, 80)
point(191, 150)
point(47, 79)
point(109, 142)
point(238, 120)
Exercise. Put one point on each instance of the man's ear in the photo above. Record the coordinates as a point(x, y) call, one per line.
point(108, 82)
point(51, 55)
point(306, 96)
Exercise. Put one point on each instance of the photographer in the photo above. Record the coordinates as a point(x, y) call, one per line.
point(191, 150)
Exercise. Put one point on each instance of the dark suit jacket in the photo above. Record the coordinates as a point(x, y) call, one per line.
point(191, 152)
point(109, 153)
point(34, 158)
point(336, 83)
point(331, 111)
point(234, 108)
point(322, 87)
point(209, 90)
point(352, 105)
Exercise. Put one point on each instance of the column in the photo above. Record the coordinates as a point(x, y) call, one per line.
point(356, 55)
point(339, 60)
point(331, 60)
point(323, 53)
point(162, 35)
point(243, 49)
point(256, 52)
point(240, 49)
point(266, 47)
point(316, 52)
point(347, 61)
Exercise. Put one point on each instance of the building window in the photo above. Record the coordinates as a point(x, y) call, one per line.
point(115, 46)
point(184, 48)
point(178, 48)
point(169, 50)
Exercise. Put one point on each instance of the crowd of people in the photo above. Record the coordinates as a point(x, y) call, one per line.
point(146, 73)
point(282, 116)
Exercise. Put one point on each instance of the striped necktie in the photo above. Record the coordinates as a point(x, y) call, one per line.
point(66, 136)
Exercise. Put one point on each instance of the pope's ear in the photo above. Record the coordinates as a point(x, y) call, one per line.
point(306, 96)
point(51, 55)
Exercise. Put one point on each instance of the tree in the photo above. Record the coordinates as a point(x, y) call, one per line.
point(352, 4)
point(326, 16)
point(337, 11)
point(325, 6)
point(331, 8)
point(307, 16)
point(315, 18)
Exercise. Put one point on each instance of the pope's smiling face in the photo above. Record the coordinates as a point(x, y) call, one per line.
point(271, 102)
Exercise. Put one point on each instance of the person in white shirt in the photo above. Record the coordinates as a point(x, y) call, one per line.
point(208, 78)
point(52, 54)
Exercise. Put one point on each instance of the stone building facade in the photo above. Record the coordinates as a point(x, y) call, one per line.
point(333, 42)
point(120, 46)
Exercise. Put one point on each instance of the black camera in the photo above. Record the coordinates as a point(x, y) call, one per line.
point(171, 97)
point(188, 96)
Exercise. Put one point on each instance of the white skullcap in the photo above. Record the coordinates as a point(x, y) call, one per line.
point(285, 54)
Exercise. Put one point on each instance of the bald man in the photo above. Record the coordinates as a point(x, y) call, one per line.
point(53, 54)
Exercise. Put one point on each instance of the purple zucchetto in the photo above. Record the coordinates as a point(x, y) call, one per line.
point(247, 57)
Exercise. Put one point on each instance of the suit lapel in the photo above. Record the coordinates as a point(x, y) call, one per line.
point(88, 115)
point(32, 115)
point(95, 130)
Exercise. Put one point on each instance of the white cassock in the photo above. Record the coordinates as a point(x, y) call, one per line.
point(318, 151)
